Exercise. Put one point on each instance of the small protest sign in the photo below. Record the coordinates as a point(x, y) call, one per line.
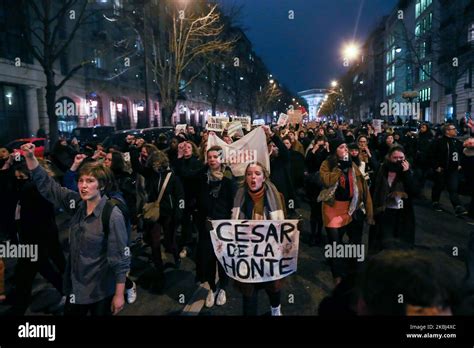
point(244, 120)
point(234, 128)
point(179, 128)
point(294, 116)
point(377, 126)
point(216, 123)
point(255, 251)
point(282, 120)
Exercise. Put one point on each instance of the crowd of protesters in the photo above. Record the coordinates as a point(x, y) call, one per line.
point(163, 194)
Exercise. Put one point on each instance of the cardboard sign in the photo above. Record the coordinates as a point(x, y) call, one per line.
point(234, 128)
point(179, 128)
point(311, 124)
point(294, 116)
point(248, 149)
point(282, 120)
point(377, 126)
point(256, 251)
point(244, 120)
point(216, 123)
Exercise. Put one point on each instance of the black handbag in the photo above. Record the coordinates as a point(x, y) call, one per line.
point(359, 214)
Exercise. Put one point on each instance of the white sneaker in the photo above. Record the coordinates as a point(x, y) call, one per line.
point(276, 311)
point(132, 294)
point(221, 299)
point(210, 299)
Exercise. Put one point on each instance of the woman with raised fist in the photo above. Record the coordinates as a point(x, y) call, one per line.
point(99, 258)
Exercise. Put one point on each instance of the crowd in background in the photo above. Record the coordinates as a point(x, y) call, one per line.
point(162, 194)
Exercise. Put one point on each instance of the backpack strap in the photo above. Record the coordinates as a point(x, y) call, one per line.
point(163, 188)
point(106, 213)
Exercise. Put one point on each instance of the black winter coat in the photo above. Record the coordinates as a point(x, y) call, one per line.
point(442, 153)
point(280, 171)
point(172, 201)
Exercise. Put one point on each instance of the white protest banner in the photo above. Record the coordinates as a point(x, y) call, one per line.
point(258, 122)
point(179, 128)
point(377, 126)
point(216, 123)
point(256, 251)
point(244, 120)
point(233, 128)
point(294, 116)
point(248, 149)
point(282, 120)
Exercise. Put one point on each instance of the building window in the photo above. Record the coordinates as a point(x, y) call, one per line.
point(425, 94)
point(470, 32)
point(113, 113)
point(391, 72)
point(425, 72)
point(390, 88)
point(421, 5)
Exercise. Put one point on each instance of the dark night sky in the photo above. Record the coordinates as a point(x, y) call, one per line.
point(304, 53)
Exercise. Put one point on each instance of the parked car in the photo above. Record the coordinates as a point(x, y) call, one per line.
point(118, 138)
point(92, 134)
point(38, 142)
point(150, 135)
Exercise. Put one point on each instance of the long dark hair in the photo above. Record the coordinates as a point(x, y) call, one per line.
point(118, 163)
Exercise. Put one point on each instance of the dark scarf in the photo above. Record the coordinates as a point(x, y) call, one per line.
point(214, 180)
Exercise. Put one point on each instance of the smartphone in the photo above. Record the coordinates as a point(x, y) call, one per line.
point(468, 116)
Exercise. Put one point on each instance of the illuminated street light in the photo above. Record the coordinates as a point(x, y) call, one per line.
point(272, 81)
point(333, 83)
point(351, 51)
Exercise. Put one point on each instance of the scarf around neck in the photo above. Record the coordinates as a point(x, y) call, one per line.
point(273, 205)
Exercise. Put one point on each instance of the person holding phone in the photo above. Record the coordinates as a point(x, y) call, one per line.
point(395, 188)
point(346, 191)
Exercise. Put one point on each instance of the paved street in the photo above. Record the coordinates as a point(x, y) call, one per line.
point(302, 292)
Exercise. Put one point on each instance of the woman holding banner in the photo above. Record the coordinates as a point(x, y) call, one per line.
point(258, 199)
point(345, 197)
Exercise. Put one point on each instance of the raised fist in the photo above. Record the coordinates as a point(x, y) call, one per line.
point(28, 150)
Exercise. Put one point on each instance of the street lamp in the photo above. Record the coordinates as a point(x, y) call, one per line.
point(351, 51)
point(333, 83)
point(272, 81)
